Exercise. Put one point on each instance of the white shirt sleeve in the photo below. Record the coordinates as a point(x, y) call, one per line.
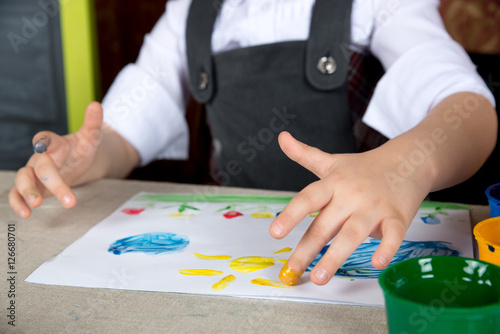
point(146, 103)
point(423, 65)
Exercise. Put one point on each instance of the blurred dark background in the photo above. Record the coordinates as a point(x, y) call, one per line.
point(121, 27)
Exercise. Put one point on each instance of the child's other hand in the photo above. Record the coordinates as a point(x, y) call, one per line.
point(52, 172)
point(356, 201)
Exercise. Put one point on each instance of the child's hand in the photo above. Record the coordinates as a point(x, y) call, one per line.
point(52, 172)
point(356, 201)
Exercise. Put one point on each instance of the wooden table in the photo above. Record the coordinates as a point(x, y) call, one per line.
point(59, 309)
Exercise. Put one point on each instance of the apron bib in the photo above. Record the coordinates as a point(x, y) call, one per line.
point(252, 94)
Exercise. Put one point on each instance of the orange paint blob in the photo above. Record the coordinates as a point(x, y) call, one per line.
point(288, 276)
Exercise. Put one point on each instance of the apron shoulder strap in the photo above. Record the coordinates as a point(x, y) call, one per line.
point(199, 27)
point(328, 55)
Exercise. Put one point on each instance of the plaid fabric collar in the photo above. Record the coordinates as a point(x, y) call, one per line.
point(364, 73)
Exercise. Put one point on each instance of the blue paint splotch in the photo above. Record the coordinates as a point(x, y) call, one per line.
point(358, 265)
point(150, 243)
point(431, 218)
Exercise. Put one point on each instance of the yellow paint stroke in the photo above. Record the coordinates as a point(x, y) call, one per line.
point(209, 257)
point(223, 283)
point(200, 272)
point(249, 264)
point(284, 250)
point(181, 215)
point(266, 282)
point(314, 214)
point(283, 261)
point(262, 214)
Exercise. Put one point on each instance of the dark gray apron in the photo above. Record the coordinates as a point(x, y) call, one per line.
point(252, 94)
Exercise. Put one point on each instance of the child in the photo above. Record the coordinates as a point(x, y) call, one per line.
point(269, 67)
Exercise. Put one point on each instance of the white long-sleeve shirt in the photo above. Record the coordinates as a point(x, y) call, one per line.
point(146, 103)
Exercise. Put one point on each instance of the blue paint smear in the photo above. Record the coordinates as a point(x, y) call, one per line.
point(150, 243)
point(358, 265)
point(431, 220)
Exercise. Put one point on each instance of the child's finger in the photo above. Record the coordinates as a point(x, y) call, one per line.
point(46, 141)
point(49, 176)
point(320, 232)
point(311, 199)
point(18, 203)
point(307, 156)
point(352, 234)
point(92, 124)
point(27, 187)
point(394, 232)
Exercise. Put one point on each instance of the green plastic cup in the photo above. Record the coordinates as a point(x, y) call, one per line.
point(442, 294)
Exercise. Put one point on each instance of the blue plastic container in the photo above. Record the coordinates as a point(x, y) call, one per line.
point(493, 194)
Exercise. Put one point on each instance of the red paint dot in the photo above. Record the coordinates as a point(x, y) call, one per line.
point(132, 211)
point(232, 214)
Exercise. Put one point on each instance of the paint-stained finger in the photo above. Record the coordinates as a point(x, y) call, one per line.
point(311, 199)
point(46, 141)
point(355, 230)
point(28, 187)
point(50, 177)
point(320, 232)
point(41, 145)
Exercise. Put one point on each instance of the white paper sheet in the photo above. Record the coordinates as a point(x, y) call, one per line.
point(445, 228)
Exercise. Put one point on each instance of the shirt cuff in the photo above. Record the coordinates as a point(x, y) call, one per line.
point(406, 93)
point(139, 109)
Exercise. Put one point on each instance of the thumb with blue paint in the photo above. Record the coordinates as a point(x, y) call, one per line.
point(41, 145)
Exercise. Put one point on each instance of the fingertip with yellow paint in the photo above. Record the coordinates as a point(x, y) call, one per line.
point(288, 276)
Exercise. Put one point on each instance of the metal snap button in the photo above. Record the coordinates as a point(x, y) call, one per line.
point(327, 65)
point(203, 81)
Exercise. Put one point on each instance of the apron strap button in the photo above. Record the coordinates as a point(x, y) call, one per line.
point(327, 65)
point(203, 81)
